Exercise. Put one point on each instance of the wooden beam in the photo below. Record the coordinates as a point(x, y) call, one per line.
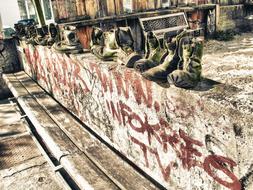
point(39, 12)
point(116, 18)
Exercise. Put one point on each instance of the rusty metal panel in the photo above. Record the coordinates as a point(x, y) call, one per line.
point(161, 25)
point(84, 35)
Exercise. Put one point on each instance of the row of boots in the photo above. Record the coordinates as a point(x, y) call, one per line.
point(176, 60)
point(182, 64)
point(64, 41)
point(114, 45)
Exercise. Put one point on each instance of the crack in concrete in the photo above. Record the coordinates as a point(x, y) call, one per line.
point(37, 165)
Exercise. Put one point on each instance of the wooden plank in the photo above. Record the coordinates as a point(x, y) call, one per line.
point(55, 10)
point(57, 142)
point(158, 4)
point(92, 22)
point(84, 172)
point(120, 172)
point(110, 7)
point(151, 4)
point(80, 7)
point(139, 5)
point(62, 11)
point(102, 10)
point(71, 7)
point(94, 178)
point(119, 9)
point(91, 8)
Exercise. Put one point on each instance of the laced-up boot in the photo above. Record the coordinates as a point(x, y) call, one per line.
point(155, 54)
point(170, 63)
point(190, 74)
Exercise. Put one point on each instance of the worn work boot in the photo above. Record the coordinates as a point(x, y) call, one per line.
point(70, 44)
point(155, 54)
point(30, 34)
point(103, 44)
point(170, 63)
point(126, 55)
point(53, 33)
point(190, 74)
point(41, 37)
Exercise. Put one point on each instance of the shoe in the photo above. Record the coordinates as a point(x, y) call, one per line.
point(170, 63)
point(155, 54)
point(104, 52)
point(126, 55)
point(190, 74)
point(53, 33)
point(70, 43)
point(41, 37)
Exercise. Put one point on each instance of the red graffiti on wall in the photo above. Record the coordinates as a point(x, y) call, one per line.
point(185, 147)
point(129, 80)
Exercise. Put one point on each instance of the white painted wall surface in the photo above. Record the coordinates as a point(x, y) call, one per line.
point(9, 11)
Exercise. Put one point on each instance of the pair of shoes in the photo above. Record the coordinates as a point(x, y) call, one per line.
point(114, 45)
point(70, 43)
point(155, 54)
point(182, 66)
point(170, 62)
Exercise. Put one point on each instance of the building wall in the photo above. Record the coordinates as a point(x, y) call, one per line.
point(233, 17)
point(10, 12)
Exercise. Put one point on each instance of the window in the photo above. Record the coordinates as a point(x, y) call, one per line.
point(26, 9)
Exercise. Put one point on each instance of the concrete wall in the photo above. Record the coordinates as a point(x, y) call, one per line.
point(183, 139)
point(232, 17)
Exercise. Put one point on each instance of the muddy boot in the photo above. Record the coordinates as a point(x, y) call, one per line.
point(103, 44)
point(70, 44)
point(53, 33)
point(126, 55)
point(190, 74)
point(128, 59)
point(30, 34)
point(155, 54)
point(170, 63)
point(41, 37)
